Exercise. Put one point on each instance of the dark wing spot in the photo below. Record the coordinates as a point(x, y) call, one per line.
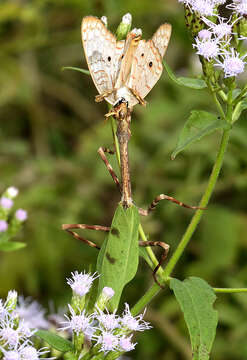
point(115, 231)
point(109, 58)
point(110, 259)
point(122, 56)
point(150, 64)
point(142, 54)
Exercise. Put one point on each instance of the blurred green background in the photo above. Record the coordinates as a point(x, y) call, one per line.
point(50, 131)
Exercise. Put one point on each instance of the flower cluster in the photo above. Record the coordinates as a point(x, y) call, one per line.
point(15, 333)
point(10, 223)
point(217, 39)
point(105, 331)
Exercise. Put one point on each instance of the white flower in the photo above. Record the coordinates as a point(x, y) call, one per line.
point(125, 343)
point(240, 7)
point(30, 353)
point(203, 7)
point(127, 19)
point(207, 48)
point(81, 282)
point(12, 192)
point(204, 35)
point(32, 312)
point(107, 321)
point(134, 323)
point(221, 29)
point(78, 323)
point(231, 63)
point(107, 340)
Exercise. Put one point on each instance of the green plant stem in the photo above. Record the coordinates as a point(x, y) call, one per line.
point(203, 203)
point(230, 290)
point(114, 135)
point(149, 251)
point(192, 226)
point(145, 299)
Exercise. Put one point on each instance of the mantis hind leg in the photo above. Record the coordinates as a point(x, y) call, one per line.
point(165, 248)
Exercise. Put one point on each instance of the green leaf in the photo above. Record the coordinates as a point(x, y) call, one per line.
point(196, 299)
point(199, 124)
point(240, 107)
point(56, 341)
point(118, 258)
point(76, 69)
point(185, 81)
point(11, 246)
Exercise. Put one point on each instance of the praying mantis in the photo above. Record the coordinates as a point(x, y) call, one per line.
point(116, 73)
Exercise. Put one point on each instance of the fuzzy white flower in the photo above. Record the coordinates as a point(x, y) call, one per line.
point(81, 282)
point(207, 48)
point(232, 63)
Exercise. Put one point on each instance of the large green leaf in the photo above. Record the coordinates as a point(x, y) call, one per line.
point(11, 245)
point(199, 124)
point(118, 258)
point(185, 81)
point(56, 341)
point(196, 299)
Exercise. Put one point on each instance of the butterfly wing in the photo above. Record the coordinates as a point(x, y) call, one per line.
point(102, 52)
point(147, 62)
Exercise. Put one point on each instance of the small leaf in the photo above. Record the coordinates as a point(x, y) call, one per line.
point(185, 81)
point(76, 69)
point(199, 124)
point(56, 341)
point(11, 246)
point(240, 107)
point(196, 299)
point(119, 255)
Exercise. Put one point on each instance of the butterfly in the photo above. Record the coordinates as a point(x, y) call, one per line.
point(126, 69)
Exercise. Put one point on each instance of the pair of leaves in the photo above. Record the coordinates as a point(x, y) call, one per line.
point(119, 255)
point(182, 81)
point(196, 299)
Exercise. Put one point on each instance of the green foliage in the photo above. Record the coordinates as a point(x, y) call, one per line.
point(196, 300)
point(50, 132)
point(11, 246)
point(185, 81)
point(57, 342)
point(118, 258)
point(199, 124)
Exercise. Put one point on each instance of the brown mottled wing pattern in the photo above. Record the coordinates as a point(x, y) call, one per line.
point(147, 62)
point(102, 53)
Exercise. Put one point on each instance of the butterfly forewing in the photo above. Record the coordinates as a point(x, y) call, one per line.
point(147, 61)
point(102, 53)
point(161, 38)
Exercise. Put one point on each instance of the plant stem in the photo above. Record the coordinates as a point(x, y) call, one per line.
point(191, 228)
point(229, 290)
point(114, 135)
point(145, 299)
point(203, 203)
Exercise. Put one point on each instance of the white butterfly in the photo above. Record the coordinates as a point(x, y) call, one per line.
point(126, 69)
